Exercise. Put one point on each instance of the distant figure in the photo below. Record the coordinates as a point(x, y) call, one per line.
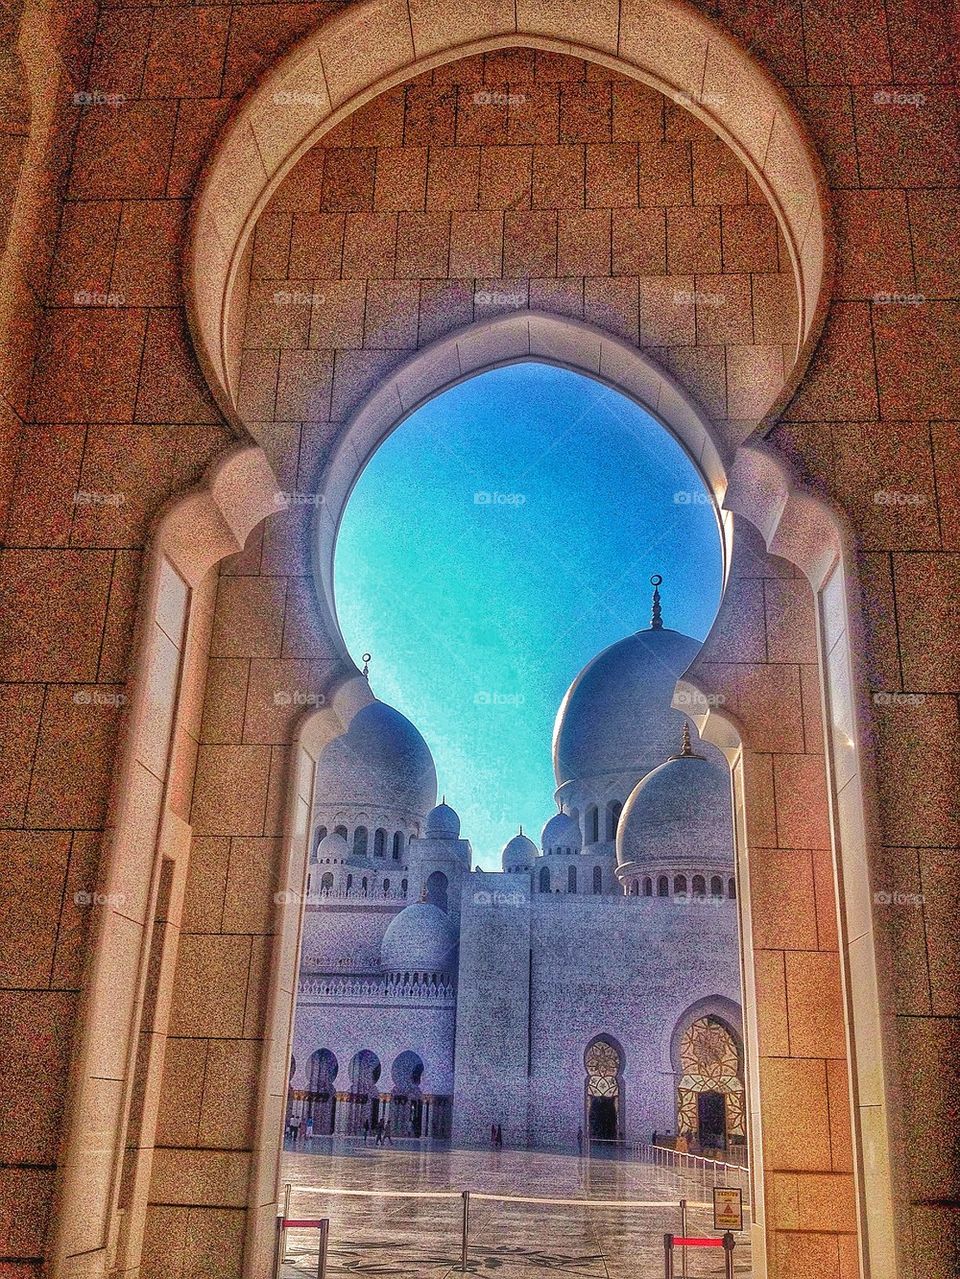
point(499, 1137)
point(379, 1134)
point(493, 1134)
point(295, 1125)
point(580, 1140)
point(653, 1139)
point(386, 1133)
point(310, 1129)
point(366, 1130)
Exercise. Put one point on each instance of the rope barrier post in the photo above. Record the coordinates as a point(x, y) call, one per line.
point(729, 1243)
point(282, 1229)
point(683, 1235)
point(464, 1243)
point(324, 1240)
point(668, 1256)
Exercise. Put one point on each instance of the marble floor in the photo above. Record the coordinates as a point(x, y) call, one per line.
point(393, 1233)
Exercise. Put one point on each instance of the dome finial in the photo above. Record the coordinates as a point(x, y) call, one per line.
point(521, 828)
point(366, 663)
point(656, 620)
point(685, 748)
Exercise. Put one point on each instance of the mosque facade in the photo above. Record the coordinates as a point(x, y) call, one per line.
point(589, 990)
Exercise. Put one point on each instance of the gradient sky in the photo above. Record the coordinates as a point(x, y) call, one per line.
point(496, 542)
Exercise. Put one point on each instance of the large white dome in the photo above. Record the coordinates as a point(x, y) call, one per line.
point(680, 812)
point(561, 835)
point(380, 762)
point(519, 853)
point(616, 717)
point(420, 939)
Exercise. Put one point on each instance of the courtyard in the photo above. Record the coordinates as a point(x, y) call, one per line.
point(398, 1212)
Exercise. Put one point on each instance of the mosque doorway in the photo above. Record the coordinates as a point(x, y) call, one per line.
point(712, 1119)
point(604, 1064)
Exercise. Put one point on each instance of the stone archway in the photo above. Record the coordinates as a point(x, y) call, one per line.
point(751, 483)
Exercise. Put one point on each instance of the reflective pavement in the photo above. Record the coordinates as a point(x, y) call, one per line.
point(391, 1234)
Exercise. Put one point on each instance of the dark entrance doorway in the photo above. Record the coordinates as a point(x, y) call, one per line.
point(603, 1119)
point(712, 1116)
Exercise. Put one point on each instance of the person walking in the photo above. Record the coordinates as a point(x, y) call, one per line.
point(387, 1135)
point(499, 1137)
point(378, 1140)
point(580, 1141)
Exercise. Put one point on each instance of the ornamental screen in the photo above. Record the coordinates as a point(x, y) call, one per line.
point(709, 1063)
point(603, 1066)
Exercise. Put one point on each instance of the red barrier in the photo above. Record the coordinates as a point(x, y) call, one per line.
point(696, 1243)
point(295, 1223)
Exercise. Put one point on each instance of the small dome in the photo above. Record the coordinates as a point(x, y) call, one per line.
point(679, 812)
point(519, 853)
point(420, 939)
point(442, 823)
point(333, 847)
point(561, 835)
point(616, 717)
point(380, 762)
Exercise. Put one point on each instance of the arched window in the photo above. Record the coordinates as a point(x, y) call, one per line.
point(716, 886)
point(679, 884)
point(326, 883)
point(614, 809)
point(437, 885)
point(663, 886)
point(732, 888)
point(699, 886)
point(597, 879)
point(593, 824)
point(341, 831)
point(710, 1088)
point(604, 1067)
point(308, 885)
point(360, 842)
point(379, 842)
point(571, 879)
point(398, 845)
point(349, 882)
point(403, 887)
point(386, 887)
point(544, 879)
point(320, 836)
point(648, 887)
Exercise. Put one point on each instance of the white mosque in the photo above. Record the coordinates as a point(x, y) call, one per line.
point(592, 984)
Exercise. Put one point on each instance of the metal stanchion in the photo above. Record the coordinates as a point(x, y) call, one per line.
point(464, 1243)
point(324, 1240)
point(683, 1235)
point(281, 1228)
point(668, 1256)
point(728, 1245)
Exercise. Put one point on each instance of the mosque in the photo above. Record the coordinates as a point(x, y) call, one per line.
point(590, 988)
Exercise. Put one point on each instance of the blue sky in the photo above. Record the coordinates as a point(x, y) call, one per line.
point(499, 539)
